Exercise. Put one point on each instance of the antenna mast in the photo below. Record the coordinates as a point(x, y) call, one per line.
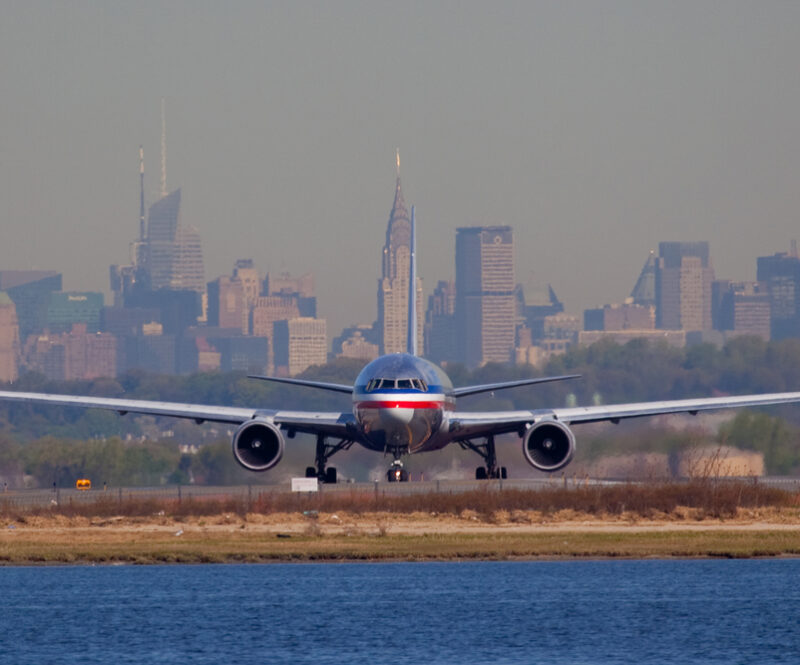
point(412, 289)
point(163, 149)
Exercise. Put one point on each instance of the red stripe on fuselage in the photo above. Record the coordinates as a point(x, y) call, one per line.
point(399, 404)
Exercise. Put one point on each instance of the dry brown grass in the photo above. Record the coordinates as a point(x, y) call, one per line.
point(39, 546)
point(702, 499)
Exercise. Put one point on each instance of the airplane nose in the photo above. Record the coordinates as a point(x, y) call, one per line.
point(396, 415)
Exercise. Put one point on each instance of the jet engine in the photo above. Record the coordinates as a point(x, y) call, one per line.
point(548, 445)
point(258, 445)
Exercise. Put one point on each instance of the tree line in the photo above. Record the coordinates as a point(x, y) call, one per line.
point(53, 444)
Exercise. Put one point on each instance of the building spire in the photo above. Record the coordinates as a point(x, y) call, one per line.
point(399, 210)
point(163, 149)
point(142, 231)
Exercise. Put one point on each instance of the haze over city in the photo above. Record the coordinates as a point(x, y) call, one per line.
point(595, 130)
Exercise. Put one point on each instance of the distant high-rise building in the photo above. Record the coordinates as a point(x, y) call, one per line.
point(358, 341)
point(30, 292)
point(187, 261)
point(77, 354)
point(299, 343)
point(284, 283)
point(66, 308)
point(268, 310)
point(393, 286)
point(683, 286)
point(178, 309)
point(781, 275)
point(174, 252)
point(535, 314)
point(155, 353)
point(742, 308)
point(440, 324)
point(125, 278)
point(243, 354)
point(356, 346)
point(644, 291)
point(227, 307)
point(9, 340)
point(301, 288)
point(250, 278)
point(126, 321)
point(161, 229)
point(625, 316)
point(485, 300)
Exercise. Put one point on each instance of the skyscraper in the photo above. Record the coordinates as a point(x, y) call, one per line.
point(485, 300)
point(781, 274)
point(742, 308)
point(301, 288)
point(683, 286)
point(644, 291)
point(299, 343)
point(9, 339)
point(440, 325)
point(30, 291)
point(248, 275)
point(226, 304)
point(393, 287)
point(174, 253)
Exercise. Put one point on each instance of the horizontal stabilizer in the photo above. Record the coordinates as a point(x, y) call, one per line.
point(336, 387)
point(491, 387)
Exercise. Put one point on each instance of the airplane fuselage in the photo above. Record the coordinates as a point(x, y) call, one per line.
point(401, 404)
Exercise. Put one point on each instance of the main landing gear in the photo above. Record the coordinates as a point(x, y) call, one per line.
point(325, 451)
point(487, 451)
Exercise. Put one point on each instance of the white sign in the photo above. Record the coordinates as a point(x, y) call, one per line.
point(305, 485)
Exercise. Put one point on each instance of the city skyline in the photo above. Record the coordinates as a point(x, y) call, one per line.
point(595, 131)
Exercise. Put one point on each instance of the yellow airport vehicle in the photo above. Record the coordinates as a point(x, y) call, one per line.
point(83, 484)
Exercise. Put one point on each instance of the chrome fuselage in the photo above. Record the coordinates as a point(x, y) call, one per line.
point(401, 404)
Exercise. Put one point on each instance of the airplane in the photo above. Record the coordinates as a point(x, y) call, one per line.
point(403, 405)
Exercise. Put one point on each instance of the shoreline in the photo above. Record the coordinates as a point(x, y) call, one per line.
point(375, 537)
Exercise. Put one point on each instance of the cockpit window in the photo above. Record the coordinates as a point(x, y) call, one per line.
point(401, 384)
point(379, 384)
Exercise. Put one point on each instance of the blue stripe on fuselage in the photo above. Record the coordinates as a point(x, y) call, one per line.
point(435, 390)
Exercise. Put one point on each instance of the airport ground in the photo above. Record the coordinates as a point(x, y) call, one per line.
point(707, 519)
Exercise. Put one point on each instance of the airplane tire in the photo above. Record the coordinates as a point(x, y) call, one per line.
point(311, 472)
point(330, 475)
point(503, 472)
point(480, 473)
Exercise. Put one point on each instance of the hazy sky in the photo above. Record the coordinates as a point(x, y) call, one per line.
point(596, 129)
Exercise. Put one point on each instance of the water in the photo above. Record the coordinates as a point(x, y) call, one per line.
point(486, 612)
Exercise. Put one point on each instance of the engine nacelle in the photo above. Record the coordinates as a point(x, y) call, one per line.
point(258, 445)
point(548, 445)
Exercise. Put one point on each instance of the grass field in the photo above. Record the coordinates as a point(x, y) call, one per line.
point(197, 546)
point(638, 521)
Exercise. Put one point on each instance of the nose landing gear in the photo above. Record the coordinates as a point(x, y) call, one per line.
point(396, 473)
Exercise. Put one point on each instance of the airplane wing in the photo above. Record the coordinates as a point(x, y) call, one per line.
point(469, 424)
point(336, 387)
point(336, 424)
point(491, 387)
